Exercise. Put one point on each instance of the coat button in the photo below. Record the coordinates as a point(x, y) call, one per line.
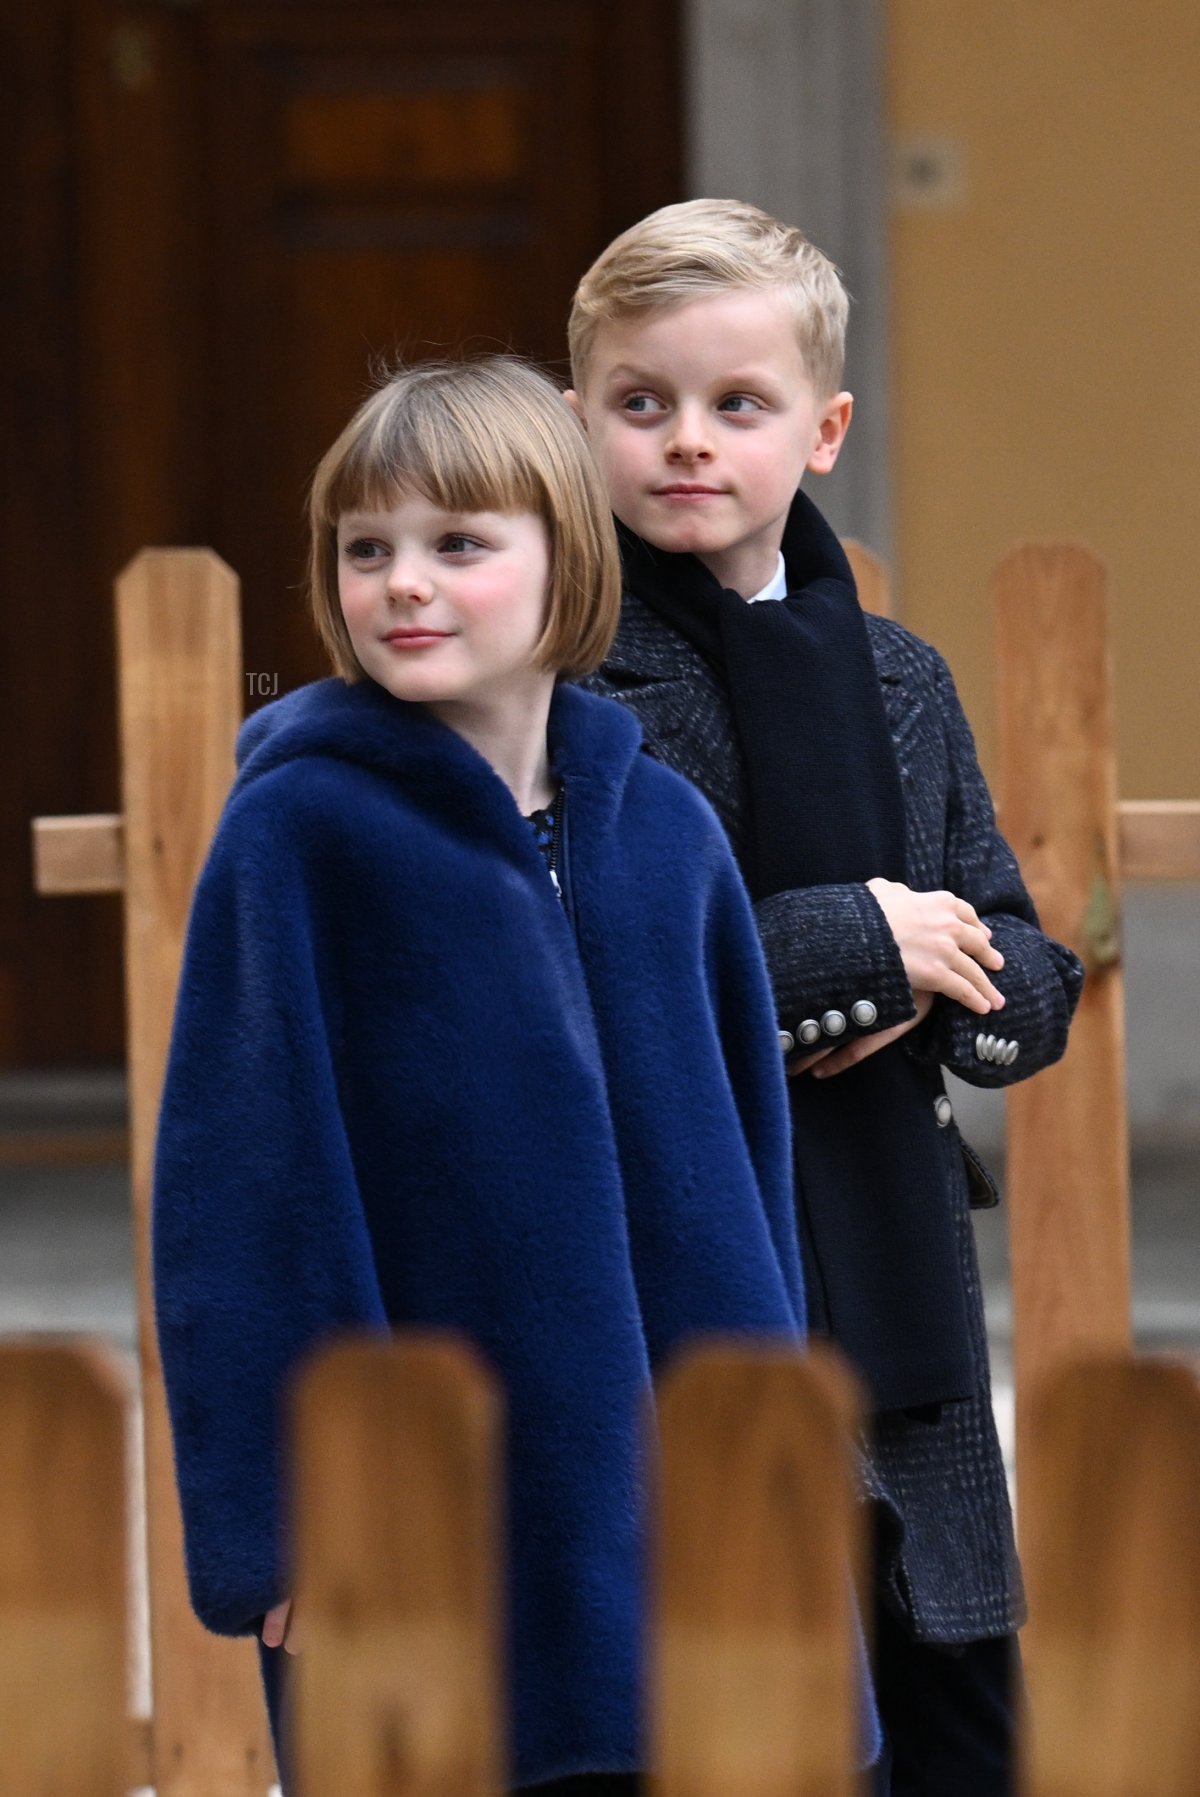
point(943, 1110)
point(989, 1047)
point(833, 1023)
point(1013, 1052)
point(809, 1032)
point(786, 1041)
point(864, 1013)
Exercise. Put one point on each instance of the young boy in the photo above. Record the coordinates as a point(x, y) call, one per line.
point(706, 347)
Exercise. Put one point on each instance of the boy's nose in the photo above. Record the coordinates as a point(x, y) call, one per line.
point(689, 439)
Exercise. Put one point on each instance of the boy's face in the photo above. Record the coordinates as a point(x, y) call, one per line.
point(703, 420)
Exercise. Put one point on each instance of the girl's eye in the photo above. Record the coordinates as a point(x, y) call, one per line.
point(641, 405)
point(739, 403)
point(362, 549)
point(457, 543)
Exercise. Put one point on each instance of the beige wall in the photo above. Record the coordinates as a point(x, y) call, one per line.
point(1047, 336)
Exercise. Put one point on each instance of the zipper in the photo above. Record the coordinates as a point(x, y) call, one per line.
point(556, 839)
point(560, 854)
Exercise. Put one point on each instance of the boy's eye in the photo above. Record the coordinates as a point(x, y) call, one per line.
point(642, 404)
point(739, 402)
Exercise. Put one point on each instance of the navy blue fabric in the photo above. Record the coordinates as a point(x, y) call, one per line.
point(405, 1088)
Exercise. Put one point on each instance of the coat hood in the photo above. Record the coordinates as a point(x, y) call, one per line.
point(590, 738)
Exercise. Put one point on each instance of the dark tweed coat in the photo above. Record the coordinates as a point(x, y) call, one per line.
point(404, 1088)
point(954, 1571)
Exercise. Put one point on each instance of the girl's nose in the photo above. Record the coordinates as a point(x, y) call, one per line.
point(409, 580)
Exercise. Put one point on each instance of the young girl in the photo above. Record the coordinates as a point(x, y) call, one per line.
point(473, 1032)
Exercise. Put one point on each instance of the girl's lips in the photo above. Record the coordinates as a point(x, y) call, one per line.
point(414, 639)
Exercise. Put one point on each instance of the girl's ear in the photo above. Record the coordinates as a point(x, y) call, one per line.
point(576, 404)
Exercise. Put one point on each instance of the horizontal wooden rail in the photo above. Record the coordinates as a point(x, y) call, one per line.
point(78, 854)
point(1159, 839)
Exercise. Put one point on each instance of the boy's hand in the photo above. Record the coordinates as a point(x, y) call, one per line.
point(943, 944)
point(279, 1628)
point(828, 1061)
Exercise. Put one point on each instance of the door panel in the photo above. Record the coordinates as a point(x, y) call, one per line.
point(251, 208)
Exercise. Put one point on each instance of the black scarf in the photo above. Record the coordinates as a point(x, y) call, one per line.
point(826, 807)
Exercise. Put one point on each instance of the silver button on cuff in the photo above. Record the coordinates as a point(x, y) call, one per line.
point(943, 1110)
point(786, 1041)
point(833, 1023)
point(996, 1049)
point(809, 1032)
point(864, 1013)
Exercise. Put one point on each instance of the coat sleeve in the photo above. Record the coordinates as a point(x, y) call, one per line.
point(1041, 980)
point(829, 948)
point(750, 1046)
point(260, 1246)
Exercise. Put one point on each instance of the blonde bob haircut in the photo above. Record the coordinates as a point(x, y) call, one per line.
point(700, 247)
point(490, 435)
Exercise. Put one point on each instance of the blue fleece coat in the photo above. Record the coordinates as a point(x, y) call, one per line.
point(405, 1089)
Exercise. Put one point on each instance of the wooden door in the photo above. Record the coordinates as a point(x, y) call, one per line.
point(231, 211)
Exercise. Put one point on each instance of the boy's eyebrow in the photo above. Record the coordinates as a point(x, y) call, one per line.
point(750, 376)
point(625, 371)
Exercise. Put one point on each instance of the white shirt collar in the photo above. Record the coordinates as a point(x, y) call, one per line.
point(776, 587)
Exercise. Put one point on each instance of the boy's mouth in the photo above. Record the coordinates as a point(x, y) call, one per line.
point(688, 489)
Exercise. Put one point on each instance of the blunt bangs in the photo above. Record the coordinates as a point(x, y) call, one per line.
point(491, 435)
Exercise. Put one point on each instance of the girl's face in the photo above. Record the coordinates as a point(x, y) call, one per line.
point(445, 608)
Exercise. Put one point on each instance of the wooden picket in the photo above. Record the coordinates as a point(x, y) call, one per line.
point(397, 1682)
point(62, 1573)
point(180, 697)
point(754, 1686)
point(1112, 1555)
point(1068, 1147)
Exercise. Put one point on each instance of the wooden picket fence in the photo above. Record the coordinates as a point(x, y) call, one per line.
point(398, 1687)
point(180, 700)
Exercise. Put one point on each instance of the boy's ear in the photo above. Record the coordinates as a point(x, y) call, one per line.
point(832, 424)
point(576, 404)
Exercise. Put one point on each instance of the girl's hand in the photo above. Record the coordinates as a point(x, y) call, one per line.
point(944, 946)
point(828, 1061)
point(279, 1628)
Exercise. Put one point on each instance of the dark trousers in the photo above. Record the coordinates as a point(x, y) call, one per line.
point(948, 1715)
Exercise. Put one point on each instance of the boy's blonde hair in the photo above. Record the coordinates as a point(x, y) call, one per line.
point(490, 435)
point(700, 247)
